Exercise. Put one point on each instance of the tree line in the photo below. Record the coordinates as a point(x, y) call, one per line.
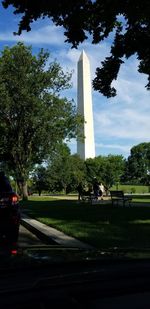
point(64, 171)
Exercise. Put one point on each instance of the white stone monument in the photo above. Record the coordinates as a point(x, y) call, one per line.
point(85, 149)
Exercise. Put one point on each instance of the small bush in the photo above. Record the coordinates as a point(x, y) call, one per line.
point(133, 190)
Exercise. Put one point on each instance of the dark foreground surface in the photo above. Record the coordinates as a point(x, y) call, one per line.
point(46, 276)
point(56, 277)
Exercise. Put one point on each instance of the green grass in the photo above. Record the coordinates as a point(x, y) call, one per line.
point(133, 188)
point(99, 225)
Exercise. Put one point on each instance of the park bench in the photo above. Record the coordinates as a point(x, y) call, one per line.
point(118, 197)
point(89, 198)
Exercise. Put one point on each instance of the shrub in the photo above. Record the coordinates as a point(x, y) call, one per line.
point(133, 190)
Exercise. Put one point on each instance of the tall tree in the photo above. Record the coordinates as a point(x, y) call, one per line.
point(138, 164)
point(39, 179)
point(58, 168)
point(65, 170)
point(113, 169)
point(77, 172)
point(33, 116)
point(128, 20)
point(107, 170)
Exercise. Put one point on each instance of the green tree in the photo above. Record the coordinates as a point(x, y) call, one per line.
point(33, 116)
point(113, 170)
point(138, 164)
point(65, 170)
point(58, 168)
point(40, 179)
point(76, 171)
point(107, 170)
point(93, 167)
point(127, 21)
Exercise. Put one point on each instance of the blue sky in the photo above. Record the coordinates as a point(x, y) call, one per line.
point(120, 122)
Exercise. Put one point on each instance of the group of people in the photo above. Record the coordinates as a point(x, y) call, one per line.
point(97, 189)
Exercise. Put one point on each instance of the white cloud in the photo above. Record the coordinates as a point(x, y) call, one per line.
point(50, 35)
point(124, 124)
point(129, 90)
point(124, 148)
point(125, 118)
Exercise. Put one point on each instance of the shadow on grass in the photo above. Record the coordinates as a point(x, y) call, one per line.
point(141, 197)
point(70, 210)
point(98, 225)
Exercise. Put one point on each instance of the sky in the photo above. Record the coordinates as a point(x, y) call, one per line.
point(119, 123)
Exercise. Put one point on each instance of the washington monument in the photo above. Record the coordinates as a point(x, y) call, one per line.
point(85, 149)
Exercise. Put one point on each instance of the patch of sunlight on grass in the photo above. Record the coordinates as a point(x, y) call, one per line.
point(41, 198)
point(140, 222)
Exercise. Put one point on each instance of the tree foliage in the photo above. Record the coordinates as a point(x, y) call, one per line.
point(33, 116)
point(127, 21)
point(138, 164)
point(65, 170)
point(39, 180)
point(107, 170)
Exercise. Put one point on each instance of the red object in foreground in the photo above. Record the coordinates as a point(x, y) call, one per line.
point(9, 213)
point(14, 198)
point(9, 217)
point(14, 252)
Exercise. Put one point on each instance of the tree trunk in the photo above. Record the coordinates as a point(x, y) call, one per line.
point(39, 191)
point(23, 189)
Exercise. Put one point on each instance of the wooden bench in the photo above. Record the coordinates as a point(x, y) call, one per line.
point(118, 196)
point(89, 198)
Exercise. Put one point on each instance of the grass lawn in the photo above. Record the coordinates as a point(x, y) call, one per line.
point(99, 225)
point(133, 188)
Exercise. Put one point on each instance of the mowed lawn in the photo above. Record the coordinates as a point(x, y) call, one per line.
point(99, 225)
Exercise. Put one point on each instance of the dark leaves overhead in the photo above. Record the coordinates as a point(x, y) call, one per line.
point(128, 20)
point(109, 70)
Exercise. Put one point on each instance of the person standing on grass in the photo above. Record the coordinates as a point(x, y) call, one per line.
point(96, 188)
point(101, 191)
point(80, 190)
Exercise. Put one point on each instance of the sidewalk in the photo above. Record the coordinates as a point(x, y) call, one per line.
point(51, 235)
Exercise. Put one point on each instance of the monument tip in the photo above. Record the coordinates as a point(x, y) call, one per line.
point(83, 54)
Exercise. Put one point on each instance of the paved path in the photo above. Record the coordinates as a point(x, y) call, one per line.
point(26, 238)
point(52, 235)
